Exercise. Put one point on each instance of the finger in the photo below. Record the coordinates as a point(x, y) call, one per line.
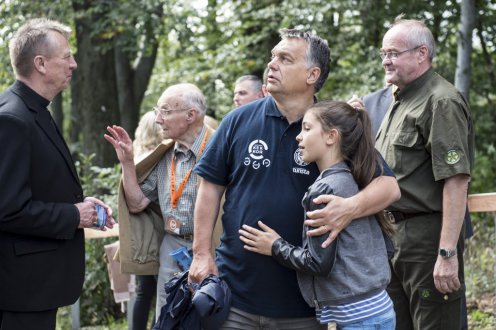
point(252, 230)
point(316, 214)
point(316, 223)
point(244, 234)
point(122, 133)
point(333, 234)
point(244, 240)
point(249, 248)
point(456, 284)
point(444, 286)
point(322, 199)
point(112, 141)
point(316, 232)
point(264, 227)
point(438, 286)
point(247, 241)
point(328, 241)
point(113, 132)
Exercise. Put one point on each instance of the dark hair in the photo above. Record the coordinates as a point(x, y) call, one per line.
point(318, 53)
point(356, 145)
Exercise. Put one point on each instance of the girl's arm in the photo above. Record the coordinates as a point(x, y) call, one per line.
point(312, 259)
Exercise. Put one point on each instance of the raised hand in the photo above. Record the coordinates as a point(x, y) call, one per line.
point(121, 142)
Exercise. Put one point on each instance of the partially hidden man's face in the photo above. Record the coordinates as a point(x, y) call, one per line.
point(288, 71)
point(245, 93)
point(59, 62)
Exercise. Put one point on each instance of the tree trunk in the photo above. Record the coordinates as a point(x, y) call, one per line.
point(132, 82)
point(464, 53)
point(107, 88)
point(96, 96)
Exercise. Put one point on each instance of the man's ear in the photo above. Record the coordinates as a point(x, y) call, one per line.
point(313, 75)
point(424, 53)
point(40, 64)
point(191, 114)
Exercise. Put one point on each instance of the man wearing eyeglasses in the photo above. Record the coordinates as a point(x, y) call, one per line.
point(426, 137)
point(157, 196)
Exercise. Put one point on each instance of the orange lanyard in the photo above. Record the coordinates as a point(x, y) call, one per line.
point(176, 194)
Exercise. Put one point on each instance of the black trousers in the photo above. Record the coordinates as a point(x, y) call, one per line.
point(44, 320)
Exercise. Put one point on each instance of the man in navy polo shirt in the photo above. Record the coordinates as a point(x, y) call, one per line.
point(254, 159)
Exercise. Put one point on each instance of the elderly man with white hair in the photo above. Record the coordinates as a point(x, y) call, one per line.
point(158, 194)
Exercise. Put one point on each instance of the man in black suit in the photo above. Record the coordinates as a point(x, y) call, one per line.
point(42, 208)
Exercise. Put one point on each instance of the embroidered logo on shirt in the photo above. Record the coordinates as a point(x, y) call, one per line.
point(425, 293)
point(452, 157)
point(299, 161)
point(256, 150)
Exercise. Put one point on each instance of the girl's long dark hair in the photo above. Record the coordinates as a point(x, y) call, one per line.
point(356, 144)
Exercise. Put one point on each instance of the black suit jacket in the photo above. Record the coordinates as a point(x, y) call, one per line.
point(41, 248)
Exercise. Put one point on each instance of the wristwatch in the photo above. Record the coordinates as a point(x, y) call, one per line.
point(447, 253)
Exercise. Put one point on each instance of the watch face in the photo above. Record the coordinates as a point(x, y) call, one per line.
point(447, 253)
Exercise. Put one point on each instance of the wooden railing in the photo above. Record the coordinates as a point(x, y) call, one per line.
point(482, 202)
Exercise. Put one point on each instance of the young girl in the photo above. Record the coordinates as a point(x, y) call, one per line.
point(346, 281)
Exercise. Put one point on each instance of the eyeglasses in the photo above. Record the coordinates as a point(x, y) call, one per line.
point(164, 112)
point(395, 55)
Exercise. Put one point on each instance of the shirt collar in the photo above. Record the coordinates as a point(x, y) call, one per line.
point(33, 100)
point(195, 148)
point(414, 86)
point(271, 109)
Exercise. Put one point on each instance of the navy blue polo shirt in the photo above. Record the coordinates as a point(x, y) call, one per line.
point(254, 153)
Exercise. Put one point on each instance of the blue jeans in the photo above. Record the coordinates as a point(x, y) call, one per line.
point(383, 321)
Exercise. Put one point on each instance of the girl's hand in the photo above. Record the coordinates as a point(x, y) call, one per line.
point(259, 241)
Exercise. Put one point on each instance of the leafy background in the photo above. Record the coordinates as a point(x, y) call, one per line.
point(212, 42)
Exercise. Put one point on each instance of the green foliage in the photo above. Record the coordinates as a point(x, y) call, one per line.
point(12, 14)
point(479, 320)
point(480, 256)
point(210, 43)
point(97, 301)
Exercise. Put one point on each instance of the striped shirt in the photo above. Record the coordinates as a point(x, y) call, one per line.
point(354, 312)
point(156, 186)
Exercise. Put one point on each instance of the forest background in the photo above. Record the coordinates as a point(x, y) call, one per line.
point(129, 51)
